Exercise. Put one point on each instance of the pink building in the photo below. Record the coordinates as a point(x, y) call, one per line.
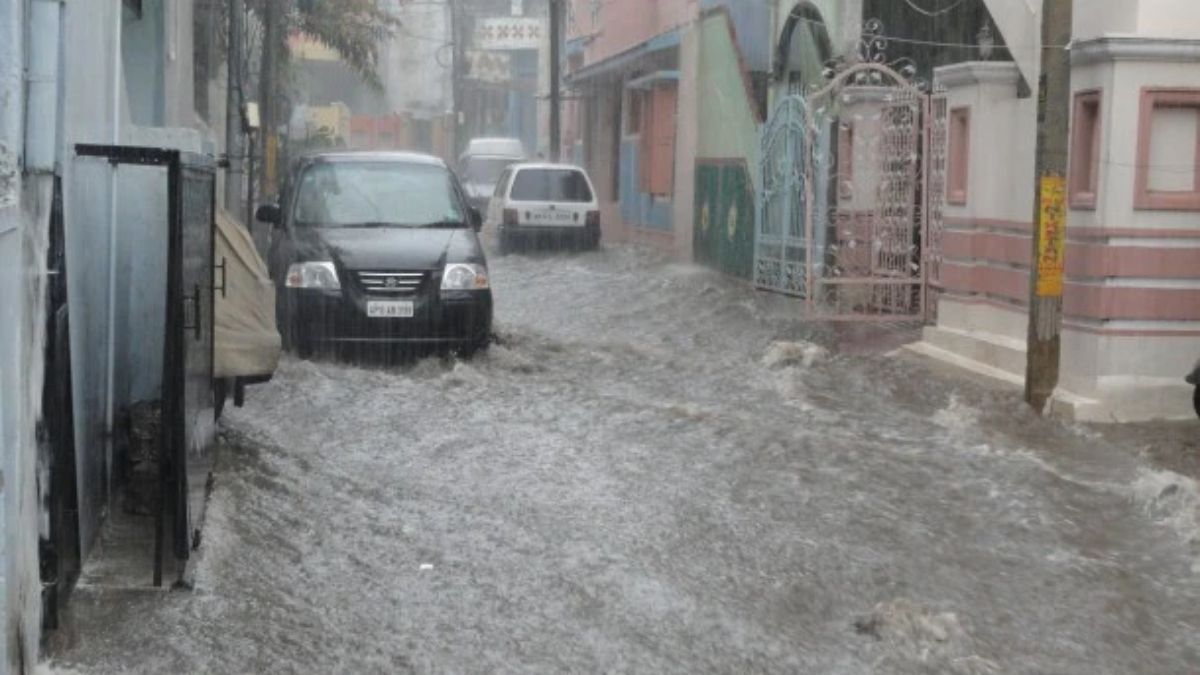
point(1132, 287)
point(625, 74)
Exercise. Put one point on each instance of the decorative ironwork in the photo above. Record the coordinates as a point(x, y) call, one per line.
point(780, 257)
point(935, 224)
point(873, 49)
point(851, 206)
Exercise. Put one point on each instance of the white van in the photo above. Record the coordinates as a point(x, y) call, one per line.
point(481, 165)
point(554, 202)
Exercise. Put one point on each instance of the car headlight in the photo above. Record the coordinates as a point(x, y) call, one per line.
point(465, 277)
point(318, 275)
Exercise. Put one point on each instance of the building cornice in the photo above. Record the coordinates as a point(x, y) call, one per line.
point(977, 72)
point(1111, 48)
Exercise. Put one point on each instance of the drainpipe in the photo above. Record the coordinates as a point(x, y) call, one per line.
point(111, 329)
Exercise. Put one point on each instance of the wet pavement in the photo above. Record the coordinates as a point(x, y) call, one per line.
point(660, 471)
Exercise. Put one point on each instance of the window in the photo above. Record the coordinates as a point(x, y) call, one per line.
point(633, 119)
point(550, 185)
point(1168, 158)
point(502, 184)
point(485, 170)
point(1085, 150)
point(959, 156)
point(656, 170)
point(345, 194)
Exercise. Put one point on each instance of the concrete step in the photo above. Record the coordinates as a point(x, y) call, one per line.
point(988, 350)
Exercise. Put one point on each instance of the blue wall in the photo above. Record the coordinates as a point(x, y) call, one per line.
point(639, 208)
point(752, 21)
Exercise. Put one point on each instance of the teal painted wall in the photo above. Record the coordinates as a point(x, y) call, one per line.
point(724, 228)
point(728, 123)
point(726, 154)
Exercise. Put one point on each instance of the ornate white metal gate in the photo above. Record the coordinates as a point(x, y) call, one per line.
point(781, 239)
point(848, 212)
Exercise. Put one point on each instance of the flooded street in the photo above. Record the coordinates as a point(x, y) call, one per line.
point(658, 470)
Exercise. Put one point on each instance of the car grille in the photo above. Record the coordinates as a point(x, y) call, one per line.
point(392, 283)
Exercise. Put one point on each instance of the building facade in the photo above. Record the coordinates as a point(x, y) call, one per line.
point(505, 72)
point(102, 72)
point(1131, 294)
point(631, 69)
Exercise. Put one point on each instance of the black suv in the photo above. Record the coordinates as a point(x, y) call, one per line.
point(375, 250)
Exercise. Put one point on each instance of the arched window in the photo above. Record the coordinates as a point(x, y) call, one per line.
point(804, 48)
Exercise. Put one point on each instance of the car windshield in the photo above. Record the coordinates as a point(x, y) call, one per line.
point(356, 194)
point(551, 185)
point(485, 170)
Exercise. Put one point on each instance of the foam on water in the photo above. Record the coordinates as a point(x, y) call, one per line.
point(1172, 500)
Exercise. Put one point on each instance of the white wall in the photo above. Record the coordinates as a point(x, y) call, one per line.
point(1168, 18)
point(1094, 18)
point(1000, 173)
point(1020, 23)
point(91, 75)
point(1150, 18)
point(12, 116)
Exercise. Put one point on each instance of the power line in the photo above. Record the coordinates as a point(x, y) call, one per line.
point(936, 43)
point(933, 14)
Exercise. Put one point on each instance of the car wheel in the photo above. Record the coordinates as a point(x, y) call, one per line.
point(1196, 400)
point(303, 348)
point(471, 349)
point(506, 243)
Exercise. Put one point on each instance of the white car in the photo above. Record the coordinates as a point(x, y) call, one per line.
point(481, 166)
point(545, 202)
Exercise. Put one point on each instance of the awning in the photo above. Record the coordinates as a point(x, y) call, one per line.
point(658, 43)
point(648, 81)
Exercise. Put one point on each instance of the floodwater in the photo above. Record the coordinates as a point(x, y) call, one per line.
point(658, 470)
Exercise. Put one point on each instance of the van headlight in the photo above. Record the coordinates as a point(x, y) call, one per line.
point(313, 275)
point(465, 277)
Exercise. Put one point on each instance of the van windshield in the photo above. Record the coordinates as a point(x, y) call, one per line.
point(486, 170)
point(356, 194)
point(551, 185)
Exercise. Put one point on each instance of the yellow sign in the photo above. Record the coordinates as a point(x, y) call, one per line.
point(1052, 236)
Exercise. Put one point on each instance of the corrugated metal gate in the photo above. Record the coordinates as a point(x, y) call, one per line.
point(850, 206)
point(188, 423)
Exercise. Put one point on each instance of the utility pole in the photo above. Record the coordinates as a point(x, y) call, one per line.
point(556, 27)
point(234, 148)
point(268, 102)
point(458, 42)
point(1049, 206)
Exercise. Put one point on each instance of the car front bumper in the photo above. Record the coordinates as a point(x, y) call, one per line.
point(440, 318)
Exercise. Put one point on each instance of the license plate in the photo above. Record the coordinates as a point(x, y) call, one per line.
point(551, 218)
point(383, 309)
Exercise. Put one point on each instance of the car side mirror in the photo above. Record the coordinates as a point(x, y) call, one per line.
point(476, 219)
point(269, 213)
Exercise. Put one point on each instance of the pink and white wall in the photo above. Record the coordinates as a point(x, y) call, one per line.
point(1132, 292)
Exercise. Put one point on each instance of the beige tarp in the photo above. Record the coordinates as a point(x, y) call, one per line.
point(246, 339)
